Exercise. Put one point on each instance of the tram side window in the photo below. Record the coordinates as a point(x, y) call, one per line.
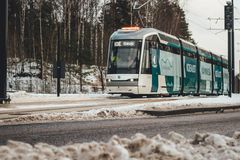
point(165, 47)
point(146, 63)
point(189, 53)
point(150, 43)
point(189, 50)
point(169, 49)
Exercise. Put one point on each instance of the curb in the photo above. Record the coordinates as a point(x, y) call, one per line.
point(189, 111)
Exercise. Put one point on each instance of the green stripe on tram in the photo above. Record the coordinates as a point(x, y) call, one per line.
point(189, 50)
point(174, 45)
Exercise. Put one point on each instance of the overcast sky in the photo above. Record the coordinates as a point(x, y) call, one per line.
point(198, 12)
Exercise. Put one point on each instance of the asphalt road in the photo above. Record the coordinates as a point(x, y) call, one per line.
point(61, 133)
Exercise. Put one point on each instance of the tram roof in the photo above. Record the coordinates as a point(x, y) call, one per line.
point(204, 51)
point(138, 34)
point(122, 34)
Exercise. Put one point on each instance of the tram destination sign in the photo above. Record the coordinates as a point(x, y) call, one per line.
point(124, 43)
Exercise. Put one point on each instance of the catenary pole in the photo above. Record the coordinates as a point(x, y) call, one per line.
point(228, 10)
point(230, 62)
point(233, 51)
point(3, 49)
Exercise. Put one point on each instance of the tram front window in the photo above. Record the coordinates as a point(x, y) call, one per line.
point(124, 57)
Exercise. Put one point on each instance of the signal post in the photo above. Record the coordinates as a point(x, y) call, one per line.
point(229, 25)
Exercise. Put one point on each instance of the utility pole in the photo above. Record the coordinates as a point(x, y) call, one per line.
point(230, 62)
point(3, 49)
point(59, 61)
point(233, 51)
point(228, 11)
point(59, 66)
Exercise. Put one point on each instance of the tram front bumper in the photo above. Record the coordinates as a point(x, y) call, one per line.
point(121, 89)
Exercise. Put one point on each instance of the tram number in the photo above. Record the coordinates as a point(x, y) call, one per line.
point(191, 68)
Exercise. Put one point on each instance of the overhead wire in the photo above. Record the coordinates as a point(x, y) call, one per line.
point(203, 28)
point(236, 9)
point(199, 17)
point(203, 21)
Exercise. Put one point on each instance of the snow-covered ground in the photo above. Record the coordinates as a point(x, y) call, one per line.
point(25, 97)
point(25, 75)
point(117, 111)
point(206, 146)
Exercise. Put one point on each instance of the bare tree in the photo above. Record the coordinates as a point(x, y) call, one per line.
point(22, 25)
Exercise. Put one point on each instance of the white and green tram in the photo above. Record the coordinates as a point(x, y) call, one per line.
point(150, 62)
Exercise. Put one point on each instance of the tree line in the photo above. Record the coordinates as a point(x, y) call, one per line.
point(85, 27)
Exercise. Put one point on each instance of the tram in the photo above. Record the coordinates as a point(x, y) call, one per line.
point(147, 61)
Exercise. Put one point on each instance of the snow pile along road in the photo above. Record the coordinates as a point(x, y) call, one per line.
point(124, 110)
point(25, 97)
point(203, 147)
point(199, 102)
point(88, 115)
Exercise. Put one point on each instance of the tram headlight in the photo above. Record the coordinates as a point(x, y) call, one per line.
point(133, 80)
point(108, 80)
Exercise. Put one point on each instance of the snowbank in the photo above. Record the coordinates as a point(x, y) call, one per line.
point(116, 111)
point(25, 97)
point(203, 147)
point(197, 102)
point(187, 101)
point(97, 115)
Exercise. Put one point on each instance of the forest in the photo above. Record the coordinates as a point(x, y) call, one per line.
point(82, 28)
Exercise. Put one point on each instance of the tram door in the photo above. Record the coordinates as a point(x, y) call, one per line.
point(154, 52)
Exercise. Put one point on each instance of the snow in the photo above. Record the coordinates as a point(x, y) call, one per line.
point(203, 146)
point(115, 111)
point(25, 97)
point(76, 116)
point(24, 75)
point(201, 102)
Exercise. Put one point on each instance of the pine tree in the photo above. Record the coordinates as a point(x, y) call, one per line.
point(183, 26)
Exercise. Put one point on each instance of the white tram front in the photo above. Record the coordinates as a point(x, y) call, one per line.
point(125, 73)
